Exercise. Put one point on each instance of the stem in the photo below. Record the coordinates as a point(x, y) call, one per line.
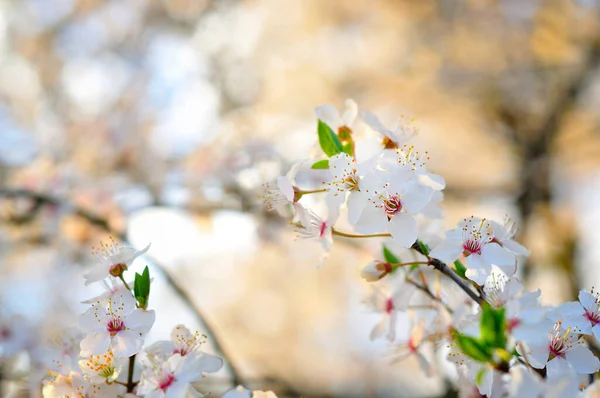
point(125, 283)
point(49, 200)
point(301, 192)
point(444, 269)
point(346, 235)
point(425, 290)
point(130, 383)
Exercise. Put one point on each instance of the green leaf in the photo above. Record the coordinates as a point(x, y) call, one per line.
point(330, 143)
point(389, 256)
point(347, 148)
point(141, 287)
point(460, 269)
point(493, 326)
point(473, 348)
point(321, 164)
point(424, 247)
point(479, 377)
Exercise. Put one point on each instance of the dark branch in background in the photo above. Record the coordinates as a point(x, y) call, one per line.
point(43, 199)
point(535, 144)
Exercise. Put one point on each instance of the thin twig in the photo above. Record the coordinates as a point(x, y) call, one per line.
point(130, 383)
point(105, 225)
point(444, 269)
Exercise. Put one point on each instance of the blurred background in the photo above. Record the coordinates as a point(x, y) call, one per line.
point(159, 120)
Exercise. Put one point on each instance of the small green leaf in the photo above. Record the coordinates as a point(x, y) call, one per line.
point(321, 164)
point(493, 326)
point(460, 269)
point(330, 143)
point(389, 256)
point(424, 247)
point(141, 287)
point(473, 348)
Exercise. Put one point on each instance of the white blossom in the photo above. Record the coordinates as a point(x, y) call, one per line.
point(474, 240)
point(119, 325)
point(112, 260)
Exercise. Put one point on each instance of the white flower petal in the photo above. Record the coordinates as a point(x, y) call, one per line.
point(588, 300)
point(515, 247)
point(371, 220)
point(556, 367)
point(447, 251)
point(206, 362)
point(356, 203)
point(126, 343)
point(286, 188)
point(403, 228)
point(140, 320)
point(330, 115)
point(350, 112)
point(416, 197)
point(494, 254)
point(373, 121)
point(582, 360)
point(96, 343)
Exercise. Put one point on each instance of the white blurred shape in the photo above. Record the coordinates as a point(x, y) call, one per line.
point(94, 84)
point(17, 147)
point(187, 120)
point(19, 79)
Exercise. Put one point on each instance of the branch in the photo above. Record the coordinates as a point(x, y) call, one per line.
point(444, 269)
point(103, 224)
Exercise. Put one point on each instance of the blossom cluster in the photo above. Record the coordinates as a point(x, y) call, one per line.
point(99, 358)
point(460, 287)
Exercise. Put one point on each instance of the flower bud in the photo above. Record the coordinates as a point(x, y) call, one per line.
point(117, 270)
point(375, 270)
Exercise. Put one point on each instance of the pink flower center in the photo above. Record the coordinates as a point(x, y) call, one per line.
point(472, 246)
point(322, 229)
point(5, 334)
point(392, 205)
point(181, 351)
point(593, 317)
point(389, 306)
point(512, 323)
point(114, 326)
point(166, 381)
point(560, 342)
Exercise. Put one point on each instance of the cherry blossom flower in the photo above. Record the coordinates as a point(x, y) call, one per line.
point(113, 287)
point(410, 159)
point(101, 368)
point(282, 192)
point(112, 260)
point(563, 350)
point(330, 115)
point(344, 179)
point(75, 385)
point(392, 205)
point(15, 335)
point(311, 226)
point(375, 270)
point(184, 343)
point(504, 234)
point(522, 309)
point(582, 316)
point(118, 326)
point(474, 239)
point(526, 383)
point(402, 131)
point(412, 348)
point(172, 378)
point(389, 305)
